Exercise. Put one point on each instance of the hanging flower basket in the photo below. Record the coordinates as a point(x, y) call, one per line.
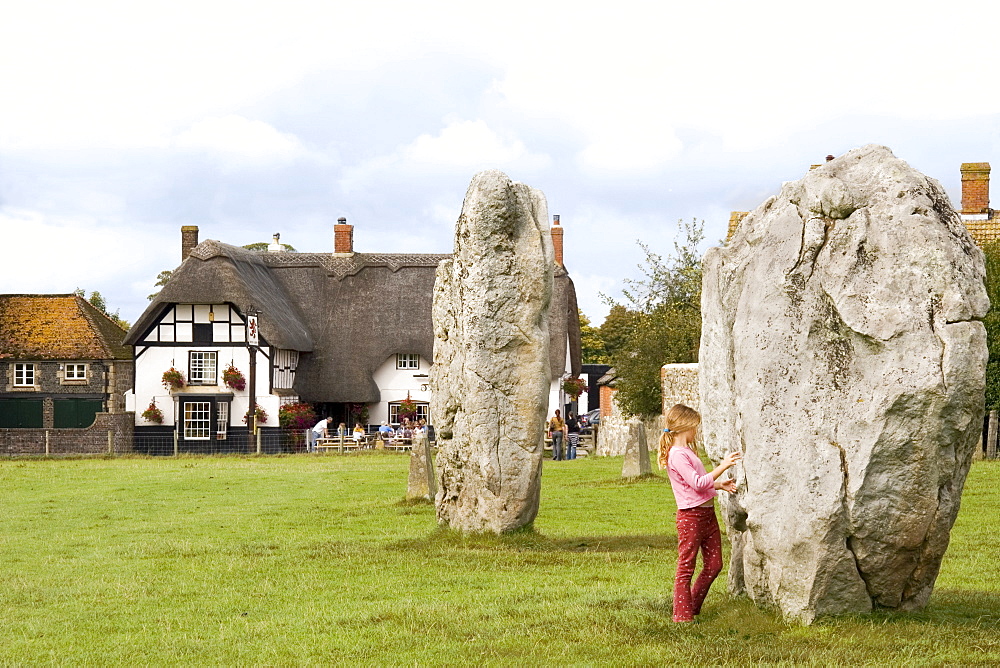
point(574, 387)
point(407, 409)
point(173, 379)
point(234, 378)
point(261, 416)
point(153, 414)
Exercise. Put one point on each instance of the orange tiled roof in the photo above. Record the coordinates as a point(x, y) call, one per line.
point(64, 327)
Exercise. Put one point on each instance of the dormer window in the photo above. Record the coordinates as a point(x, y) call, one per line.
point(407, 361)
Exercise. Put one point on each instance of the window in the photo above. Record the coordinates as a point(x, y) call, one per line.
point(197, 420)
point(221, 420)
point(24, 375)
point(75, 372)
point(201, 367)
point(423, 413)
point(407, 361)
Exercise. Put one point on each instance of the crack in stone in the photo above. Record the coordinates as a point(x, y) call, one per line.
point(845, 471)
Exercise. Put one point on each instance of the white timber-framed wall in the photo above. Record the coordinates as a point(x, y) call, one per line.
point(220, 331)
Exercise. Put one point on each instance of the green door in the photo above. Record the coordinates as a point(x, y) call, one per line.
point(21, 413)
point(75, 413)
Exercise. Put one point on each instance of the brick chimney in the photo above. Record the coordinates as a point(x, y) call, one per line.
point(343, 238)
point(975, 188)
point(189, 239)
point(557, 240)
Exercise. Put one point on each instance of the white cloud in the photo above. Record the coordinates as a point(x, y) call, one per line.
point(235, 138)
point(462, 146)
point(470, 144)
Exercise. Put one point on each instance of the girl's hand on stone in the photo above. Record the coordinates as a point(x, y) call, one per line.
point(727, 485)
point(731, 459)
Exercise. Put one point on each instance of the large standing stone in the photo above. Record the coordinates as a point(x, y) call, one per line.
point(421, 483)
point(842, 351)
point(636, 451)
point(491, 354)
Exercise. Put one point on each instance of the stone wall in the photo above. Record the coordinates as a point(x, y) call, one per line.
point(92, 440)
point(613, 432)
point(679, 384)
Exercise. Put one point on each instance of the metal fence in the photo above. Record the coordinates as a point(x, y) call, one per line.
point(264, 442)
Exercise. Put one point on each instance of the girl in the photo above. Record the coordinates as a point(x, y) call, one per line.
point(694, 490)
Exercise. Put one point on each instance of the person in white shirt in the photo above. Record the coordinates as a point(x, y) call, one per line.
point(318, 432)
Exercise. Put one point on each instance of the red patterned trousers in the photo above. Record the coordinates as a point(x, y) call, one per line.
point(697, 529)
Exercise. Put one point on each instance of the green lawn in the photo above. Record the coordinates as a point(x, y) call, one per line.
point(300, 559)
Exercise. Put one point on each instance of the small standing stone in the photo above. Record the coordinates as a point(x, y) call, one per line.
point(421, 483)
point(636, 451)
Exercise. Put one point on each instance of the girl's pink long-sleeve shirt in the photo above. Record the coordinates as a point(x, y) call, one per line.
point(692, 485)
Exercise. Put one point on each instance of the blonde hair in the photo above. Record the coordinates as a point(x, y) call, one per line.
point(680, 418)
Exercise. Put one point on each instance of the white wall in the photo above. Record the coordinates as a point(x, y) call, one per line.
point(150, 365)
point(394, 383)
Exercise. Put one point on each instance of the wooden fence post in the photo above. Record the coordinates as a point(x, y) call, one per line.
point(111, 442)
point(46, 443)
point(259, 432)
point(177, 449)
point(991, 437)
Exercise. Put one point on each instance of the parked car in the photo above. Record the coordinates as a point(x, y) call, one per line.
point(589, 419)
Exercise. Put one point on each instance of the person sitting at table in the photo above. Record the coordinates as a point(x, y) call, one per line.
point(341, 431)
point(385, 431)
point(359, 432)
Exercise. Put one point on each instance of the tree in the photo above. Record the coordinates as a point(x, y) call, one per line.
point(263, 245)
point(661, 324)
point(992, 323)
point(591, 344)
point(97, 300)
point(161, 280)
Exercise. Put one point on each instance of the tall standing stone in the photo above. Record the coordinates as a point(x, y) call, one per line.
point(842, 352)
point(636, 450)
point(491, 357)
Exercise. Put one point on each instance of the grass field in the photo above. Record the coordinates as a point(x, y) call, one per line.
point(317, 560)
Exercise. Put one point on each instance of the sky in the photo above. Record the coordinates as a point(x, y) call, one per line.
point(122, 121)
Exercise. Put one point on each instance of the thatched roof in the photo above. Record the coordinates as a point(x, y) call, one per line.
point(346, 314)
point(58, 327)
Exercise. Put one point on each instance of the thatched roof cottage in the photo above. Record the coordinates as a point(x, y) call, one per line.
point(350, 332)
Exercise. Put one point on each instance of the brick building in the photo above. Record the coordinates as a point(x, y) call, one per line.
point(63, 375)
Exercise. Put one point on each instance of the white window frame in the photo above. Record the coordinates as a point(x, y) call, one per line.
point(408, 361)
point(74, 371)
point(24, 374)
point(221, 420)
point(203, 367)
point(197, 420)
point(423, 412)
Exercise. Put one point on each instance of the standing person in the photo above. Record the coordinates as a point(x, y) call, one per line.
point(572, 434)
point(317, 432)
point(697, 527)
point(558, 429)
